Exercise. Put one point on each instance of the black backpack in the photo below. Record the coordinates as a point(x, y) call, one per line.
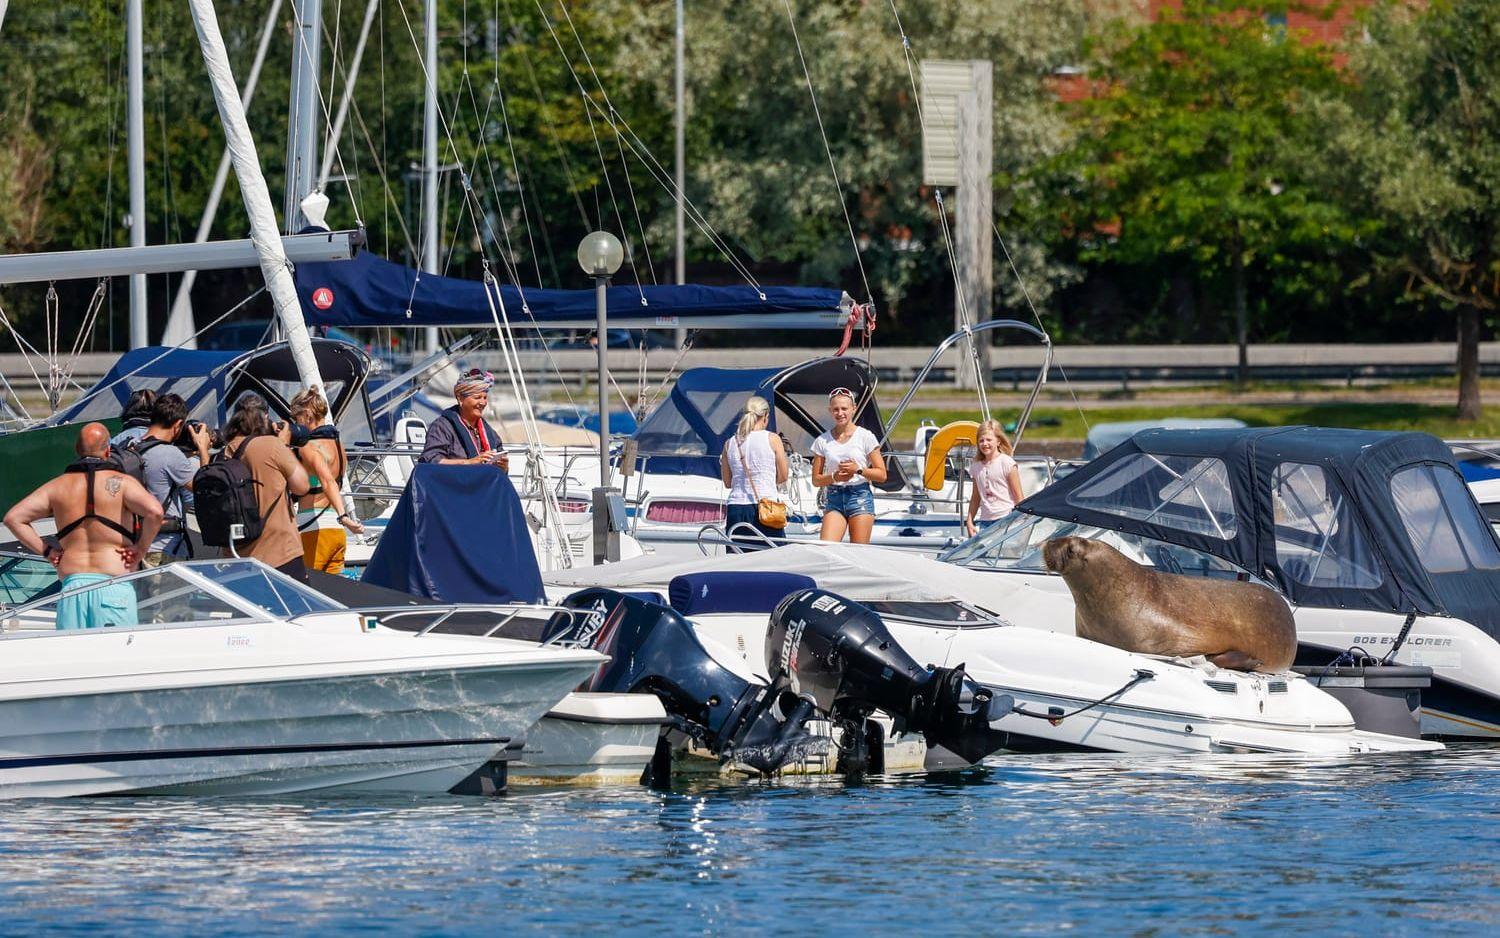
point(128, 458)
point(224, 495)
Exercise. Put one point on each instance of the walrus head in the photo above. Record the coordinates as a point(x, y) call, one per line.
point(1064, 554)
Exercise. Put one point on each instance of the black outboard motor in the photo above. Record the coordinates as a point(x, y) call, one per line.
point(653, 650)
point(837, 657)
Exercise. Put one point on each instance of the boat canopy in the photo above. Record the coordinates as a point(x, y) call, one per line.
point(687, 431)
point(437, 545)
point(372, 291)
point(211, 382)
point(1355, 519)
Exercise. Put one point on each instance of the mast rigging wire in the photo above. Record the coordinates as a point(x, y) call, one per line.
point(838, 187)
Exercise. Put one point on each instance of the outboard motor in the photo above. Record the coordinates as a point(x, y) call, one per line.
point(654, 650)
point(836, 657)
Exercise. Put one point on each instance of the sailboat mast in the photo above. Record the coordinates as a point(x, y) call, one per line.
point(429, 160)
point(274, 265)
point(302, 142)
point(135, 159)
point(680, 133)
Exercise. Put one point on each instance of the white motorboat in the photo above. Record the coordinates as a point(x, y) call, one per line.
point(1066, 692)
point(234, 679)
point(586, 739)
point(1372, 537)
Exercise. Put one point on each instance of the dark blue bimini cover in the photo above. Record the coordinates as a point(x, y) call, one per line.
point(201, 378)
point(372, 291)
point(1336, 518)
point(695, 594)
point(459, 535)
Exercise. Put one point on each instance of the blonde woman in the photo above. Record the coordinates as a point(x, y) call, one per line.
point(846, 459)
point(322, 515)
point(752, 465)
point(997, 479)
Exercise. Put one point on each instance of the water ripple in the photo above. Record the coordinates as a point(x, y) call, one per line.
point(1020, 846)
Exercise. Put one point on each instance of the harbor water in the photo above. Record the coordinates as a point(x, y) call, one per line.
point(1380, 845)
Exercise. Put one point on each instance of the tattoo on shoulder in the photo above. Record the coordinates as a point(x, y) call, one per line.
point(112, 485)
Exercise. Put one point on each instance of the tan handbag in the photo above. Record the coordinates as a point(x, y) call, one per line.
point(769, 512)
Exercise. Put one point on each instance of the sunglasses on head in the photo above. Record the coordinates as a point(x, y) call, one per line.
point(841, 392)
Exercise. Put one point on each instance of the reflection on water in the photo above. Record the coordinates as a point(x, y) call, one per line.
point(1230, 843)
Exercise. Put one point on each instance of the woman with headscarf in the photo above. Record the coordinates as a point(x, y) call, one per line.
point(460, 436)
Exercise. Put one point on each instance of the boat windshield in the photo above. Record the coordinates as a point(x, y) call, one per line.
point(25, 577)
point(1015, 543)
point(210, 592)
point(258, 584)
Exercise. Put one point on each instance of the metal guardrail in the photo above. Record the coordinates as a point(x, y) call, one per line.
point(1012, 366)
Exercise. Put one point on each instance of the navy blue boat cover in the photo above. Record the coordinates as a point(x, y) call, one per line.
point(372, 291)
point(459, 535)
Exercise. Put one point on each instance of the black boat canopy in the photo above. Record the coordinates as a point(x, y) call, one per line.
point(1353, 519)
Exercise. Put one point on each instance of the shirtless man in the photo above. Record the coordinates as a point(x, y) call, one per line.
point(93, 504)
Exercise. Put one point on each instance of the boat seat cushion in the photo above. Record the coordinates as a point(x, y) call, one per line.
point(703, 593)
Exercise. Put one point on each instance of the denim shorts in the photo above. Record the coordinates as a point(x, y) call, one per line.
point(851, 500)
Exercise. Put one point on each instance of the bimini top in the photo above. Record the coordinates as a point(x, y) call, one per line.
point(687, 431)
point(1336, 518)
point(211, 382)
point(372, 291)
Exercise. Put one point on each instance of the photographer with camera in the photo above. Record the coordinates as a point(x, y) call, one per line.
point(254, 483)
point(171, 450)
point(323, 516)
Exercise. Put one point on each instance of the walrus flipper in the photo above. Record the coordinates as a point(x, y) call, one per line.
point(1235, 661)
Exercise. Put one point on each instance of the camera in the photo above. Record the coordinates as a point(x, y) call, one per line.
point(300, 434)
point(184, 439)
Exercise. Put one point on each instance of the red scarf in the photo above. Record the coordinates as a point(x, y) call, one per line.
point(481, 439)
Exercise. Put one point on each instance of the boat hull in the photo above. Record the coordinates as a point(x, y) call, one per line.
point(184, 722)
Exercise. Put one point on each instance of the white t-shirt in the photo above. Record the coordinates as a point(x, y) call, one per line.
point(762, 462)
point(992, 480)
point(858, 447)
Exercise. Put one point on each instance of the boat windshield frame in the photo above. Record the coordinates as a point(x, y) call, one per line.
point(205, 575)
point(986, 550)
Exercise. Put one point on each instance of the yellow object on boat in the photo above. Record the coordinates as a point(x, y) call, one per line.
point(957, 433)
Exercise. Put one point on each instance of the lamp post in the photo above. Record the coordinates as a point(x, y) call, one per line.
point(600, 255)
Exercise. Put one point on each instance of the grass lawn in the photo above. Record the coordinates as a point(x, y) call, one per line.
point(1068, 424)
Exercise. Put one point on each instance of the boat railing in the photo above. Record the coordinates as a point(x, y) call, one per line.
point(503, 613)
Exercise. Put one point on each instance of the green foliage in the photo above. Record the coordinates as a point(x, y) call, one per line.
point(1416, 144)
point(756, 166)
point(1192, 156)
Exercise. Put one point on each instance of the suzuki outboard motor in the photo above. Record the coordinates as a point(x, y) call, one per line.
point(837, 657)
point(654, 650)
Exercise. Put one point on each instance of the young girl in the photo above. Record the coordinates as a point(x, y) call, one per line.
point(847, 459)
point(752, 465)
point(997, 480)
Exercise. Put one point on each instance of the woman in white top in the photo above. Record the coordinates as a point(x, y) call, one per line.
point(752, 465)
point(846, 460)
point(997, 479)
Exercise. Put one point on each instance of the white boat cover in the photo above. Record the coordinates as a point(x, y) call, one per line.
point(857, 571)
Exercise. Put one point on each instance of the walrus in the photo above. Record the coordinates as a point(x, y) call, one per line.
point(1239, 626)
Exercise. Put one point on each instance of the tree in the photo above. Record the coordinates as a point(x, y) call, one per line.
point(1186, 151)
point(1417, 141)
point(757, 166)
